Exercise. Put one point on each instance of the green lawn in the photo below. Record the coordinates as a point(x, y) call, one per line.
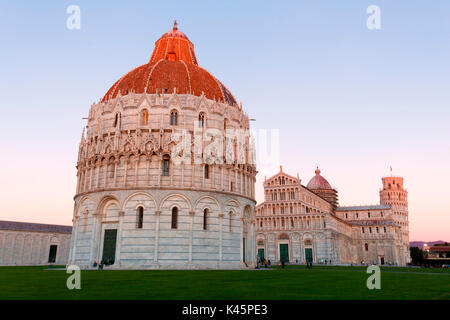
point(294, 282)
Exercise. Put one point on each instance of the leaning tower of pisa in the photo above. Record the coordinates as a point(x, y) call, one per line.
point(394, 194)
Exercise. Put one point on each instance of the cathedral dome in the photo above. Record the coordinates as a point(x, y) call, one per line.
point(172, 67)
point(318, 182)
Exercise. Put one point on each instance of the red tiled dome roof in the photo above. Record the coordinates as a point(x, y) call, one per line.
point(172, 66)
point(318, 182)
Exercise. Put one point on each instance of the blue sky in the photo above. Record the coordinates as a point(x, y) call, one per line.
point(351, 100)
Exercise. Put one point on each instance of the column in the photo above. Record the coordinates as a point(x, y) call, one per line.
point(220, 236)
point(157, 214)
point(148, 172)
point(105, 175)
point(160, 171)
point(137, 161)
point(93, 246)
point(85, 180)
point(98, 236)
point(253, 241)
point(74, 243)
point(182, 174)
point(98, 175)
point(119, 238)
point(115, 172)
point(125, 175)
point(240, 239)
point(191, 234)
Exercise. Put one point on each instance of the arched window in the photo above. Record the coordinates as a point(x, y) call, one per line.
point(140, 217)
point(174, 221)
point(205, 219)
point(230, 216)
point(366, 247)
point(363, 230)
point(206, 171)
point(144, 117)
point(166, 165)
point(201, 120)
point(174, 118)
point(368, 214)
point(116, 119)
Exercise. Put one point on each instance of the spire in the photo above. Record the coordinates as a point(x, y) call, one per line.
point(317, 171)
point(281, 168)
point(175, 25)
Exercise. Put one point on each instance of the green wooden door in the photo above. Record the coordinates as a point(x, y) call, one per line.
point(308, 255)
point(109, 246)
point(260, 254)
point(284, 252)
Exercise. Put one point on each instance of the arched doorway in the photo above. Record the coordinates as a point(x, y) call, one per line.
point(108, 232)
point(283, 247)
point(308, 245)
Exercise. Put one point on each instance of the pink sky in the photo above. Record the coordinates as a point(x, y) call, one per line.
point(350, 100)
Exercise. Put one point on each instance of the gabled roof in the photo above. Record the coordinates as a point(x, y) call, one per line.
point(281, 174)
point(35, 227)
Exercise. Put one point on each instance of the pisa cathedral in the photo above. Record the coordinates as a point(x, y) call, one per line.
point(299, 223)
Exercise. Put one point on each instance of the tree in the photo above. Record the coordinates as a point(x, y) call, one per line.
point(416, 255)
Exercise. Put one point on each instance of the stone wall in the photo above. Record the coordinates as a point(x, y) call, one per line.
point(21, 248)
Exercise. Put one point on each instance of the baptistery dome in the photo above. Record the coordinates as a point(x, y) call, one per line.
point(155, 187)
point(172, 67)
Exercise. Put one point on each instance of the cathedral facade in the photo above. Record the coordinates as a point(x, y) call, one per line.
point(161, 183)
point(298, 224)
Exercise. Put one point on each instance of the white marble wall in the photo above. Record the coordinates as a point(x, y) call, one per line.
point(157, 245)
point(21, 248)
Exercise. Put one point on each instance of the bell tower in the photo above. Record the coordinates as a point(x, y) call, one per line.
point(394, 194)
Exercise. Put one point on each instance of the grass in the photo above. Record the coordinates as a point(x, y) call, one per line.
point(294, 282)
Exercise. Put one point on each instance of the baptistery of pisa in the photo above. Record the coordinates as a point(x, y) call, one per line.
point(148, 194)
